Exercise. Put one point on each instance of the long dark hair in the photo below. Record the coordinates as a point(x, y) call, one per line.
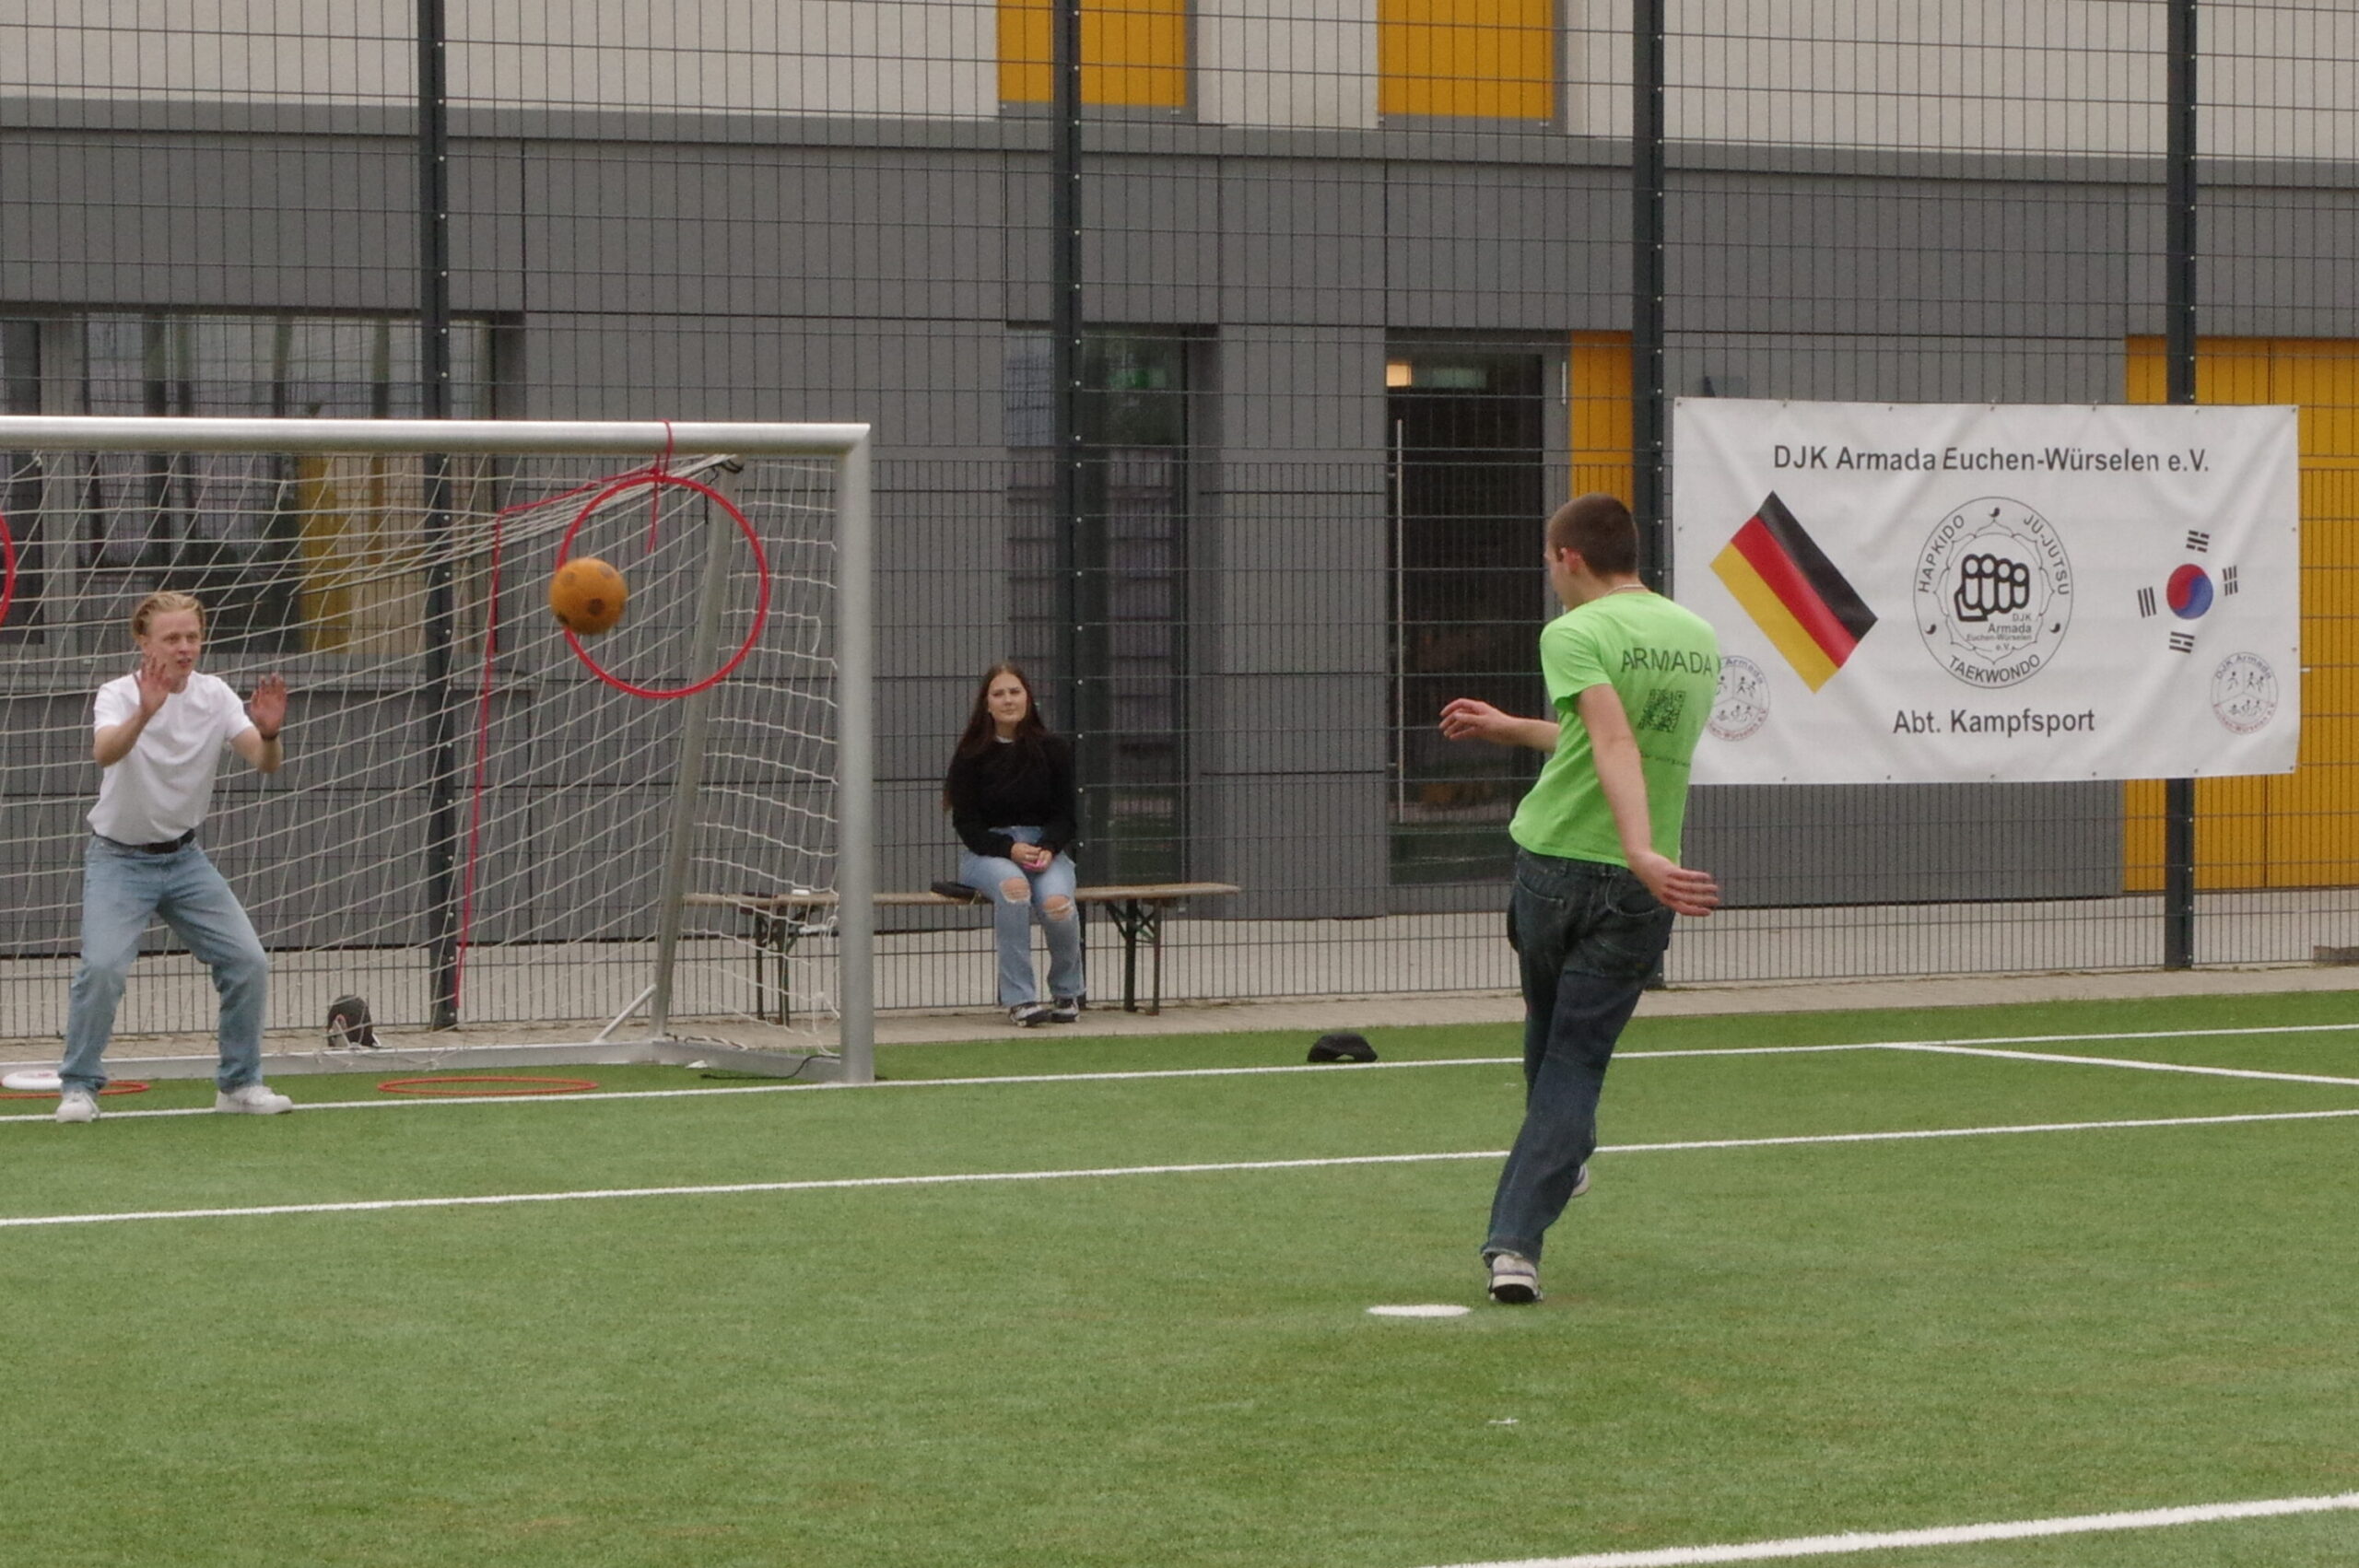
point(982, 730)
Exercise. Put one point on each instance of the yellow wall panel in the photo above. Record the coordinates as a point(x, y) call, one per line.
point(1134, 52)
point(2235, 370)
point(2141, 836)
point(2319, 377)
point(1600, 433)
point(2314, 821)
point(2231, 833)
point(1467, 59)
point(2311, 812)
point(2304, 830)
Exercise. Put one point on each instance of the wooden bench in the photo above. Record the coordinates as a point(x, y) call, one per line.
point(781, 919)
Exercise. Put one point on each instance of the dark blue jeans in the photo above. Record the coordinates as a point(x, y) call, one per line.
point(1586, 936)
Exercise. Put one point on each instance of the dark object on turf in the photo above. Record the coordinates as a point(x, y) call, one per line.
point(348, 1023)
point(1342, 1047)
point(959, 891)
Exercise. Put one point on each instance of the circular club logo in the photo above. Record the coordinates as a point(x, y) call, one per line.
point(1742, 705)
point(1994, 592)
point(2243, 693)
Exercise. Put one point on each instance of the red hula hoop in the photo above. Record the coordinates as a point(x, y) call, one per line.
point(9, 569)
point(539, 1085)
point(656, 478)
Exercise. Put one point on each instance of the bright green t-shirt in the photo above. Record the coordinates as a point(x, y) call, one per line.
point(1665, 663)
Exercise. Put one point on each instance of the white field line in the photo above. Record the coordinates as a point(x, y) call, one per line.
point(1958, 1048)
point(1961, 1048)
point(2130, 1063)
point(1950, 1535)
point(841, 1184)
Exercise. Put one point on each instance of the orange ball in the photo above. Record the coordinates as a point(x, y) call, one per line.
point(587, 595)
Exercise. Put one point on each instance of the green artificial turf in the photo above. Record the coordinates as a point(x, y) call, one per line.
point(1177, 1368)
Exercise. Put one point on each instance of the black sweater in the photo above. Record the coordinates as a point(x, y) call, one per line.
point(1023, 783)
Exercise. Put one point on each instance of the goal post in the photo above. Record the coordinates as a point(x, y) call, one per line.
point(593, 823)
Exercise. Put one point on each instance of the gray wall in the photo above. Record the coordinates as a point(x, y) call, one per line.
point(772, 268)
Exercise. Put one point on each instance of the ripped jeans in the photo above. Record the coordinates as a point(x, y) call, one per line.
point(1012, 918)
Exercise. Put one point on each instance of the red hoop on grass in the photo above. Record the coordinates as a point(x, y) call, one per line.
point(539, 1085)
point(9, 569)
point(127, 1086)
point(657, 478)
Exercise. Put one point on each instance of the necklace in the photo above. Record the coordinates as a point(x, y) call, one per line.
point(1630, 588)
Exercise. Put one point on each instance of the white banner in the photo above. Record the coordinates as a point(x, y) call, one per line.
point(1937, 592)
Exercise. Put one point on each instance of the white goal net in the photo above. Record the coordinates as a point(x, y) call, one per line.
point(481, 821)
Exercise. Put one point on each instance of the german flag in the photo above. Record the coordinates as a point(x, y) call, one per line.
point(1793, 592)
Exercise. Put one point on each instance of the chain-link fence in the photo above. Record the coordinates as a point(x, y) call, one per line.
point(1223, 356)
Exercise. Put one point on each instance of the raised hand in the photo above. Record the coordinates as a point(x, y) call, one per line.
point(158, 679)
point(267, 706)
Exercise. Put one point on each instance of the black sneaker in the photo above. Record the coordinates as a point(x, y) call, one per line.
point(1066, 1010)
point(1030, 1014)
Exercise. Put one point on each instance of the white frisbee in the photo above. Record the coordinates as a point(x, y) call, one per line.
point(1426, 1309)
point(32, 1080)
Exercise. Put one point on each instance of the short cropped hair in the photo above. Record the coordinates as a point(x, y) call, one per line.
point(164, 603)
point(1599, 526)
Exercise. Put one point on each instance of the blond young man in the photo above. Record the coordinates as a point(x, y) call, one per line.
point(159, 733)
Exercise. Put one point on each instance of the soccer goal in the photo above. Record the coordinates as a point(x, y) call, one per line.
point(595, 846)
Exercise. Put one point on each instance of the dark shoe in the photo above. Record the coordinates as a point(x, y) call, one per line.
point(1066, 1010)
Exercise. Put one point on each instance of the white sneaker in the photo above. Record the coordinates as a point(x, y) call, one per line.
point(78, 1104)
point(1030, 1014)
point(252, 1099)
point(1515, 1278)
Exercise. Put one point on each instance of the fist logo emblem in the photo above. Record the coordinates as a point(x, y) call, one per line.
point(1994, 588)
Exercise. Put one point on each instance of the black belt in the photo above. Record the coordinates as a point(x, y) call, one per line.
point(166, 847)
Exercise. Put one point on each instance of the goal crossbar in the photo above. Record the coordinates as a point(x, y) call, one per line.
point(633, 438)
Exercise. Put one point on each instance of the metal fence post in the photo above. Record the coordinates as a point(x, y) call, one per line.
point(434, 390)
point(1648, 408)
point(1065, 351)
point(2179, 352)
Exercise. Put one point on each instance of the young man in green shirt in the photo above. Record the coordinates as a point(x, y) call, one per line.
point(1632, 677)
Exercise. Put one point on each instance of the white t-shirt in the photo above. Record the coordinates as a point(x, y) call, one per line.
point(163, 785)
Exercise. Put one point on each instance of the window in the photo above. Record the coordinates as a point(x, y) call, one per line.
point(1467, 60)
point(1127, 634)
point(1468, 595)
point(269, 542)
point(1133, 53)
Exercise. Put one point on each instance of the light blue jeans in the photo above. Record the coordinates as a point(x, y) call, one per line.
point(992, 875)
point(122, 890)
